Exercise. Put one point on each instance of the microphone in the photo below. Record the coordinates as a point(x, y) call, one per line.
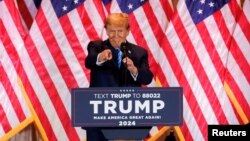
point(124, 49)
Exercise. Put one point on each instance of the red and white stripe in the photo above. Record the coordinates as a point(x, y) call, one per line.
point(238, 63)
point(13, 107)
point(28, 10)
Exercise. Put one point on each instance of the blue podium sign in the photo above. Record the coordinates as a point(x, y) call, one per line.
point(127, 107)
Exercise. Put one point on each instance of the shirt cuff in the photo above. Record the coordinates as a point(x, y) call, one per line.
point(134, 76)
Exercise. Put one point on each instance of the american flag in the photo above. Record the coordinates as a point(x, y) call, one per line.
point(14, 110)
point(188, 46)
point(197, 44)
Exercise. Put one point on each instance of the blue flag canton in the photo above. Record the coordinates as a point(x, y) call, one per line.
point(128, 6)
point(201, 9)
point(62, 7)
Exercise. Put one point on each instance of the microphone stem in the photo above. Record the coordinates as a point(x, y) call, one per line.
point(126, 65)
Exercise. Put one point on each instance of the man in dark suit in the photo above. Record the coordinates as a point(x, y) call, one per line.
point(108, 70)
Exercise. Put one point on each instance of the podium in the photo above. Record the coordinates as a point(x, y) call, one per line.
point(126, 112)
point(130, 133)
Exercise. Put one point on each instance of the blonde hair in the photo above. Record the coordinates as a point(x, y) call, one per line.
point(118, 19)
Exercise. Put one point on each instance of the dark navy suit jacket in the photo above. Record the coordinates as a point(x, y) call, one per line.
point(108, 75)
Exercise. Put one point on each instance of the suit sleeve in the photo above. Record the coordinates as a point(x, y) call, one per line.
point(94, 48)
point(145, 76)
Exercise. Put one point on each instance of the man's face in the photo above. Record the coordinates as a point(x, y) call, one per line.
point(117, 35)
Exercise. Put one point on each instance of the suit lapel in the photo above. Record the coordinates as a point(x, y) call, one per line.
point(129, 50)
